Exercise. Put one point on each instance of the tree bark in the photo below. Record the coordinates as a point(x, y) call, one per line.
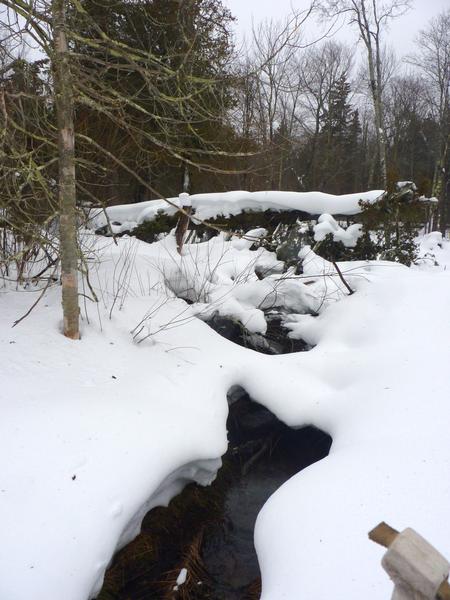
point(66, 183)
point(440, 185)
point(374, 64)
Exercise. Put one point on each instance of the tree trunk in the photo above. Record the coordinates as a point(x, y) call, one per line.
point(440, 186)
point(374, 64)
point(186, 180)
point(379, 115)
point(66, 183)
point(378, 112)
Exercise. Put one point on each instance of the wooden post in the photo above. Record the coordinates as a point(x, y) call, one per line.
point(417, 569)
point(183, 221)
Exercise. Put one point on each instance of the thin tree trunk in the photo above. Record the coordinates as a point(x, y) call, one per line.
point(281, 169)
point(374, 64)
point(186, 180)
point(378, 110)
point(379, 116)
point(66, 183)
point(439, 186)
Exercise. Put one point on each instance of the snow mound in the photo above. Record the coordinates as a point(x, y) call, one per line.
point(326, 225)
point(434, 251)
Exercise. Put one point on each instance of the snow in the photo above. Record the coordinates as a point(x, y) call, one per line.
point(406, 184)
point(381, 358)
point(208, 206)
point(82, 452)
point(182, 577)
point(326, 225)
point(96, 432)
point(184, 200)
point(431, 200)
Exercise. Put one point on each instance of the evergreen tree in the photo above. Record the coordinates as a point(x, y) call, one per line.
point(179, 104)
point(338, 141)
point(25, 148)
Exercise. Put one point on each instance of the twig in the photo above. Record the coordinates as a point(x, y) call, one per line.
point(39, 298)
point(341, 277)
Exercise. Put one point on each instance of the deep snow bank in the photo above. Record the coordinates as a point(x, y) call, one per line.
point(91, 430)
point(381, 356)
point(92, 435)
point(208, 206)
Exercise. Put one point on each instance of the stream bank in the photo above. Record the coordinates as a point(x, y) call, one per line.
point(209, 530)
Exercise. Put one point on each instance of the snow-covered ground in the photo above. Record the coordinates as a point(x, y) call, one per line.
point(94, 433)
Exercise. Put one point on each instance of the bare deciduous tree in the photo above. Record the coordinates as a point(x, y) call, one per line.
point(371, 17)
point(433, 59)
point(90, 69)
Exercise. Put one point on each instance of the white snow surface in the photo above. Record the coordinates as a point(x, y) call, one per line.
point(208, 206)
point(433, 252)
point(94, 433)
point(326, 224)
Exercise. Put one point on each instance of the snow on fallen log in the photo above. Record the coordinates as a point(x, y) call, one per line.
point(209, 206)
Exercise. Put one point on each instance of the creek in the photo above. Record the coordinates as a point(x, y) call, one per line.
point(274, 341)
point(209, 530)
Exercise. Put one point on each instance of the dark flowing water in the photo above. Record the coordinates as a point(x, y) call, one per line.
point(209, 531)
point(274, 341)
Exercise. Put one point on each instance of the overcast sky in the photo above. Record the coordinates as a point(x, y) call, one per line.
point(401, 34)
